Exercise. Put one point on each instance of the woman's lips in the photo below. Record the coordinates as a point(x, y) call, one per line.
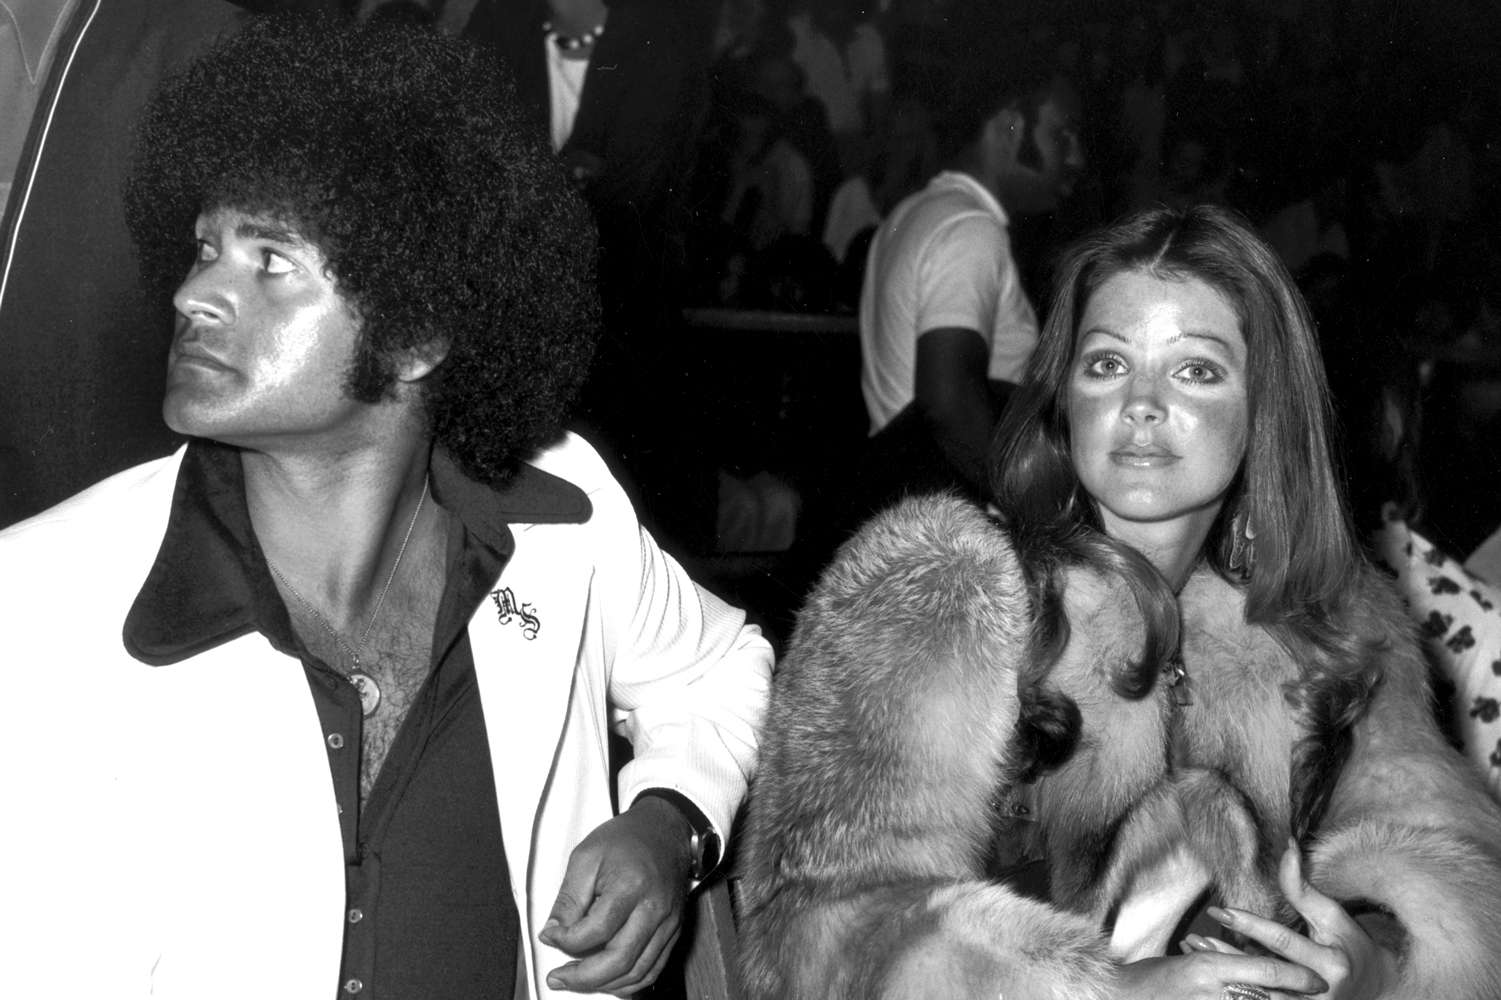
point(1143, 458)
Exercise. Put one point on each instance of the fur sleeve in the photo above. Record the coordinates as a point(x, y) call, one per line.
point(1412, 832)
point(887, 739)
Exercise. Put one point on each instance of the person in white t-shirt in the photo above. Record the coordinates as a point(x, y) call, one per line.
point(945, 325)
point(843, 58)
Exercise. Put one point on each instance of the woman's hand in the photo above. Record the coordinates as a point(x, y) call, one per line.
point(1203, 974)
point(1336, 947)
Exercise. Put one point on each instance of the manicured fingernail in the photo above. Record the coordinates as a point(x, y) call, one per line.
point(551, 923)
point(1223, 916)
point(553, 982)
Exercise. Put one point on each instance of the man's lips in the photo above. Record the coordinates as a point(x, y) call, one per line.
point(197, 358)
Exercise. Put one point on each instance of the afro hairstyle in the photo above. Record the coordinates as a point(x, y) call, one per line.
point(401, 153)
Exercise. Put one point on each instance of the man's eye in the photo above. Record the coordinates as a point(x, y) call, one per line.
point(206, 251)
point(275, 263)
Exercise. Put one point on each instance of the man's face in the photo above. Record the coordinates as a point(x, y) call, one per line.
point(263, 340)
point(1049, 159)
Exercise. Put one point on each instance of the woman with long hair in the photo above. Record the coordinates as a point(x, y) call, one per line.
point(1156, 729)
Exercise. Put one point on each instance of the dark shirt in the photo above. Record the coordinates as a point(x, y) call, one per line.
point(430, 910)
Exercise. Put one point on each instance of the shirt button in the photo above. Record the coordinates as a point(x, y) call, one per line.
point(336, 740)
point(356, 915)
point(353, 986)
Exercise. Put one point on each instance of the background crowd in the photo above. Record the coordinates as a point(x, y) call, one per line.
point(743, 153)
point(1361, 144)
point(1360, 139)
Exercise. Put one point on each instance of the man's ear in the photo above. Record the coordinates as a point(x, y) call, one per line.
point(418, 363)
point(1004, 132)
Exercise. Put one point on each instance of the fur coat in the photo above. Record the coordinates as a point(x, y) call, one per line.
point(890, 734)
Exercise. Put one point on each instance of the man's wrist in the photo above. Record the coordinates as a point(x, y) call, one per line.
point(703, 840)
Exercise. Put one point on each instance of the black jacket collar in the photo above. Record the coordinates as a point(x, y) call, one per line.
point(210, 584)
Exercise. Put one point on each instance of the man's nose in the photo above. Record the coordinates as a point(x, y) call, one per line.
point(206, 295)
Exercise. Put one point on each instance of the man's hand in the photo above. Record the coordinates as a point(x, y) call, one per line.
point(620, 908)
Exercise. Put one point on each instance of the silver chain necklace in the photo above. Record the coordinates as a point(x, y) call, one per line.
point(368, 689)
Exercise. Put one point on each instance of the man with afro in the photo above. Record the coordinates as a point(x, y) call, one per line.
point(321, 704)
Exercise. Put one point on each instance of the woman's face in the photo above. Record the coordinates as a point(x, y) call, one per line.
point(1157, 401)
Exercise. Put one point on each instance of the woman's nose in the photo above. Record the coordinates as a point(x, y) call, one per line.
point(1143, 401)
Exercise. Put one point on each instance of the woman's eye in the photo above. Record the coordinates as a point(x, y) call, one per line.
point(275, 263)
point(1104, 366)
point(1201, 371)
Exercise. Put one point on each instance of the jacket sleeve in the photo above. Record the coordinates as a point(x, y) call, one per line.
point(1412, 842)
point(890, 721)
point(688, 677)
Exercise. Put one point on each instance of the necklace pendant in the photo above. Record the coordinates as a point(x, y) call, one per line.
point(369, 691)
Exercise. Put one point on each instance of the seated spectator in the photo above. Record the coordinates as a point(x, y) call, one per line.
point(801, 121)
point(1459, 617)
point(946, 327)
point(385, 300)
point(844, 61)
point(906, 158)
point(770, 183)
point(1164, 674)
point(1376, 390)
point(753, 247)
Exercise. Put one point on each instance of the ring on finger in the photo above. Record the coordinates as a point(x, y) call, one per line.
point(1244, 991)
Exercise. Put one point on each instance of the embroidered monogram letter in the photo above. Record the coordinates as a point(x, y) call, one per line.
point(508, 609)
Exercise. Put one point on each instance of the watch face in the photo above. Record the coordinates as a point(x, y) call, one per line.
point(704, 851)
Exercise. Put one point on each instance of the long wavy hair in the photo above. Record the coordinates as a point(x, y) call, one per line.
point(1306, 560)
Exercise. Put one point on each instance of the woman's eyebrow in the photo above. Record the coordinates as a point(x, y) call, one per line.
point(1203, 335)
point(1105, 331)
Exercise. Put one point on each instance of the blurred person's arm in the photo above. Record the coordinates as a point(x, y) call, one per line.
point(953, 395)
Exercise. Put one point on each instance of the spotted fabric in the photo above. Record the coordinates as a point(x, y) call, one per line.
point(1459, 619)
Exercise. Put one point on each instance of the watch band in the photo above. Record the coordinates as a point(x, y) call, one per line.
point(704, 845)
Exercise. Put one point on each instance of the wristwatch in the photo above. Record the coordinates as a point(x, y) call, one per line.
point(704, 845)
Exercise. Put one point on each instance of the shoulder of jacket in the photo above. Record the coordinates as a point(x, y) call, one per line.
point(100, 543)
point(933, 566)
point(575, 460)
point(921, 534)
point(109, 505)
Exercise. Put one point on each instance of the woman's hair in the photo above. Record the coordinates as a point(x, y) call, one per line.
point(402, 155)
point(1306, 559)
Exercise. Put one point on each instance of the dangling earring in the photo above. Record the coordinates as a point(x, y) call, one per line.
point(1242, 545)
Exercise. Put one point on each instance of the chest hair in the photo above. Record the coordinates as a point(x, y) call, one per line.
point(397, 655)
